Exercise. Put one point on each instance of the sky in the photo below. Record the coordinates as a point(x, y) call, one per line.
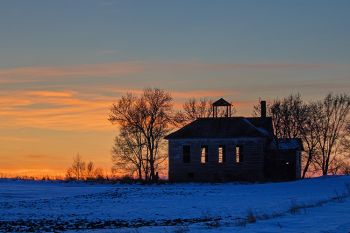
point(63, 64)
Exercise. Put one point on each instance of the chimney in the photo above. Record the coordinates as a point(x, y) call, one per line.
point(263, 108)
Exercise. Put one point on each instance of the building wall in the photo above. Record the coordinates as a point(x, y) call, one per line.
point(283, 165)
point(252, 167)
point(298, 164)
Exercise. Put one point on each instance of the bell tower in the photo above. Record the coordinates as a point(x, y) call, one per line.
point(221, 108)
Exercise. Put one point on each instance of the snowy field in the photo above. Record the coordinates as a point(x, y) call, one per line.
point(313, 205)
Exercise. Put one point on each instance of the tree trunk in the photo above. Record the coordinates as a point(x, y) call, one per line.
point(325, 172)
point(151, 165)
point(139, 172)
point(308, 162)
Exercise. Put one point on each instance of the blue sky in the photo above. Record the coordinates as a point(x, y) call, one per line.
point(65, 32)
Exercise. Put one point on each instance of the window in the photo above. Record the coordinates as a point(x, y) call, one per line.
point(190, 175)
point(186, 153)
point(238, 154)
point(204, 154)
point(221, 154)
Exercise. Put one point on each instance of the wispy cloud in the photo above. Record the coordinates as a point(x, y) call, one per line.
point(38, 73)
point(17, 139)
point(51, 93)
point(86, 107)
point(61, 110)
point(36, 156)
point(200, 66)
point(74, 110)
point(207, 93)
point(334, 84)
point(176, 94)
point(42, 73)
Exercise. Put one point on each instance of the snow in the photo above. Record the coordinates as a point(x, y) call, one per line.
point(191, 203)
point(288, 144)
point(260, 129)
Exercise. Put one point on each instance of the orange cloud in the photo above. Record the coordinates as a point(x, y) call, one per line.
point(51, 93)
point(16, 139)
point(54, 110)
point(74, 110)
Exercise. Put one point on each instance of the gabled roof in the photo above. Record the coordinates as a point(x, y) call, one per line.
point(221, 102)
point(288, 144)
point(226, 127)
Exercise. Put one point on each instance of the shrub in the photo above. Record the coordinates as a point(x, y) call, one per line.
point(251, 217)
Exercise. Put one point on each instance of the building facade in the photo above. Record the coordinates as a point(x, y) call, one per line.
point(225, 148)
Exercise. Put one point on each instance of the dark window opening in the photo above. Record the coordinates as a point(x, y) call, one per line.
point(238, 154)
point(190, 175)
point(204, 154)
point(186, 153)
point(221, 154)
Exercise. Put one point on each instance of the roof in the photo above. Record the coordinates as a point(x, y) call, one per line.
point(288, 144)
point(225, 127)
point(221, 102)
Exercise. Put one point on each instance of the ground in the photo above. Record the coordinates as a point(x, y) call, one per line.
point(312, 205)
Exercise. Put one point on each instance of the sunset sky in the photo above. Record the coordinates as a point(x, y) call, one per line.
point(63, 63)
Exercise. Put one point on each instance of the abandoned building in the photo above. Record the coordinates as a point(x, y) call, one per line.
point(225, 148)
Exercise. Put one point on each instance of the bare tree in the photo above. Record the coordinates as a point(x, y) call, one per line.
point(257, 109)
point(332, 118)
point(98, 173)
point(307, 132)
point(321, 126)
point(151, 115)
point(129, 152)
point(339, 166)
point(193, 109)
point(292, 118)
point(287, 116)
point(80, 170)
point(346, 140)
point(90, 168)
point(77, 169)
point(69, 174)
